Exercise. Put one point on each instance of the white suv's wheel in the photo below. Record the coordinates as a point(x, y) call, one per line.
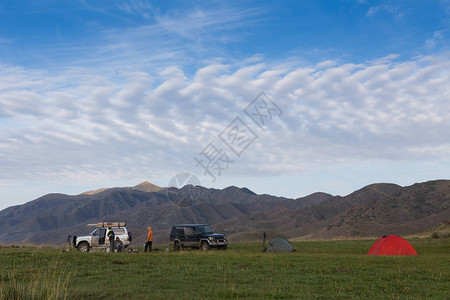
point(83, 247)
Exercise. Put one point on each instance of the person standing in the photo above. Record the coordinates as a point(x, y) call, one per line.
point(111, 237)
point(149, 242)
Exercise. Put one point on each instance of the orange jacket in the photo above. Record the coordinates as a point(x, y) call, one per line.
point(150, 235)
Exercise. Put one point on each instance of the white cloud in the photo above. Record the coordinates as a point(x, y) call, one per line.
point(384, 8)
point(179, 37)
point(434, 42)
point(137, 7)
point(79, 124)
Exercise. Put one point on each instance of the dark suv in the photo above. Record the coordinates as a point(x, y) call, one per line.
point(196, 236)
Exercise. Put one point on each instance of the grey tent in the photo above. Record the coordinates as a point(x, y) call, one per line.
point(279, 244)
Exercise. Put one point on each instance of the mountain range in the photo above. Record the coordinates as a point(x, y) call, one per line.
point(375, 210)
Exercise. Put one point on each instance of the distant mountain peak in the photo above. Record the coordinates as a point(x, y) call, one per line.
point(97, 191)
point(386, 189)
point(248, 191)
point(147, 186)
point(243, 189)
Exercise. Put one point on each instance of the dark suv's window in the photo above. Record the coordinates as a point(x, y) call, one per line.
point(204, 229)
point(189, 231)
point(179, 231)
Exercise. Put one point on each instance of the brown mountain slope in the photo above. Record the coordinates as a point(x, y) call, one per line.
point(383, 209)
point(51, 218)
point(145, 186)
point(374, 210)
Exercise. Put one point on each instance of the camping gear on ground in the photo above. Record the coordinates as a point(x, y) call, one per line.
point(392, 245)
point(279, 244)
point(68, 244)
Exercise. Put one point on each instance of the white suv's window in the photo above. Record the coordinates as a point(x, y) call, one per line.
point(118, 231)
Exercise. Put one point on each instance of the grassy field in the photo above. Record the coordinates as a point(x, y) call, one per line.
point(324, 269)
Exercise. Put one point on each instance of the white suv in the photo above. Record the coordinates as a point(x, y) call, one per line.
point(98, 237)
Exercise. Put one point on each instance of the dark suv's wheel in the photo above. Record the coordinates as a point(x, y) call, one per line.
point(204, 246)
point(177, 246)
point(83, 247)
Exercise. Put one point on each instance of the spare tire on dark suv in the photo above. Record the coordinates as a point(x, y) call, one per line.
point(199, 236)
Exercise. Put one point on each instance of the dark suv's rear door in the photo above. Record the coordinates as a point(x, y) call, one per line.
point(191, 237)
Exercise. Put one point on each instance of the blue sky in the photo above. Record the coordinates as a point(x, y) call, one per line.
point(48, 33)
point(111, 93)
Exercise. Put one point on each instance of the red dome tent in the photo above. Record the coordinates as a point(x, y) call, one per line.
point(392, 245)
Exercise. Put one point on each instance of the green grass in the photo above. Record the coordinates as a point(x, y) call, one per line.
point(324, 269)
